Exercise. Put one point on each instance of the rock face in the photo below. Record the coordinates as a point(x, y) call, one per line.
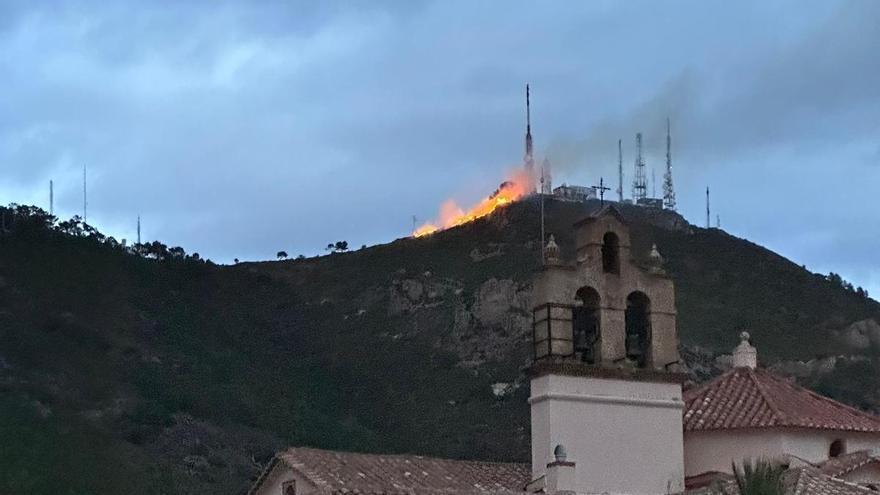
point(488, 324)
point(495, 325)
point(862, 335)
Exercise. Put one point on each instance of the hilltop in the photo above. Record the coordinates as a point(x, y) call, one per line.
point(158, 372)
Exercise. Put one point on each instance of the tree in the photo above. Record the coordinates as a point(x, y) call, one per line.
point(235, 261)
point(301, 257)
point(282, 255)
point(760, 477)
point(177, 253)
point(338, 246)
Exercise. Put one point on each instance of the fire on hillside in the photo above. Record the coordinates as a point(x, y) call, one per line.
point(452, 215)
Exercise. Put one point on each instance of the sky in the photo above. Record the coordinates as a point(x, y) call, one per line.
point(238, 129)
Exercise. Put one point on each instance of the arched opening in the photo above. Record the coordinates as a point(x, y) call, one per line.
point(610, 253)
point(837, 449)
point(638, 328)
point(585, 323)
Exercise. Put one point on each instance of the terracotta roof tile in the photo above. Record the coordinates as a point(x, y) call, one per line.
point(335, 472)
point(795, 481)
point(754, 398)
point(848, 463)
point(811, 481)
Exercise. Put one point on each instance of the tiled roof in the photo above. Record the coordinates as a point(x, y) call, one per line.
point(334, 472)
point(811, 481)
point(795, 481)
point(847, 463)
point(754, 398)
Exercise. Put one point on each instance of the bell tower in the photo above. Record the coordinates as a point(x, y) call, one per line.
point(604, 378)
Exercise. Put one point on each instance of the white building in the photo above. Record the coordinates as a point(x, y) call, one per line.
point(750, 412)
point(575, 193)
point(608, 413)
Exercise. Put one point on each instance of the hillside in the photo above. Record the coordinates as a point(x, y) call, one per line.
point(121, 373)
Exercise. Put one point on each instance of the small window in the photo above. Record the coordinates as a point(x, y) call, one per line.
point(288, 488)
point(610, 253)
point(837, 448)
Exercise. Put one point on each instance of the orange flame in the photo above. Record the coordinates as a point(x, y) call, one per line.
point(451, 215)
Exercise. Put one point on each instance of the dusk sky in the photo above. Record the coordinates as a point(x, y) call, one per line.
point(238, 129)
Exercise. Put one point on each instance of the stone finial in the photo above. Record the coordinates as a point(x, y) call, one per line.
point(560, 477)
point(551, 251)
point(655, 260)
point(745, 355)
point(559, 453)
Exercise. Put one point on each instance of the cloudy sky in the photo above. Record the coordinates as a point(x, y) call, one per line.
point(237, 129)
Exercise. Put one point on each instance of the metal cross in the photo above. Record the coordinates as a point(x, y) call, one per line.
point(601, 188)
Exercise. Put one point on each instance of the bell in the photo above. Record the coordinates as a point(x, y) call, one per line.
point(633, 346)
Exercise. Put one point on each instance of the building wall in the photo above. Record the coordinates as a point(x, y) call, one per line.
point(624, 435)
point(716, 450)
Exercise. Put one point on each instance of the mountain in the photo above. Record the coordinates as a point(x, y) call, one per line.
point(146, 370)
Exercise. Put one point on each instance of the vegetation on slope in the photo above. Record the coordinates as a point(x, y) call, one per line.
point(144, 370)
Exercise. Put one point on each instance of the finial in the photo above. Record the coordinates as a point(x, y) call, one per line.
point(655, 254)
point(559, 453)
point(655, 260)
point(745, 355)
point(551, 251)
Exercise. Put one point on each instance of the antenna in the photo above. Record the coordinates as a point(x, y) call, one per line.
point(85, 198)
point(708, 225)
point(51, 198)
point(542, 213)
point(546, 177)
point(414, 221)
point(139, 229)
point(529, 157)
point(668, 189)
point(620, 170)
point(717, 221)
point(640, 187)
point(653, 183)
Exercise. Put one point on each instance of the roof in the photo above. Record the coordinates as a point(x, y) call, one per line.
point(847, 463)
point(604, 208)
point(334, 472)
point(796, 481)
point(811, 481)
point(754, 398)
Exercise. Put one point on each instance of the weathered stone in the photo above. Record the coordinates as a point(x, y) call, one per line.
point(862, 335)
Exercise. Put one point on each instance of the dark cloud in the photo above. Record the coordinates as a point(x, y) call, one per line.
point(237, 129)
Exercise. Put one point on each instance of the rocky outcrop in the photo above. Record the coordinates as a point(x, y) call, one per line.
point(495, 325)
point(862, 335)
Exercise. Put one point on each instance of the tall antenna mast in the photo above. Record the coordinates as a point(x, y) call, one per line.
point(85, 197)
point(708, 225)
point(640, 186)
point(139, 229)
point(529, 157)
point(542, 213)
point(668, 189)
point(51, 198)
point(653, 183)
point(620, 170)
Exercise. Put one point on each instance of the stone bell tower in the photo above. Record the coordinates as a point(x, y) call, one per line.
point(604, 380)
